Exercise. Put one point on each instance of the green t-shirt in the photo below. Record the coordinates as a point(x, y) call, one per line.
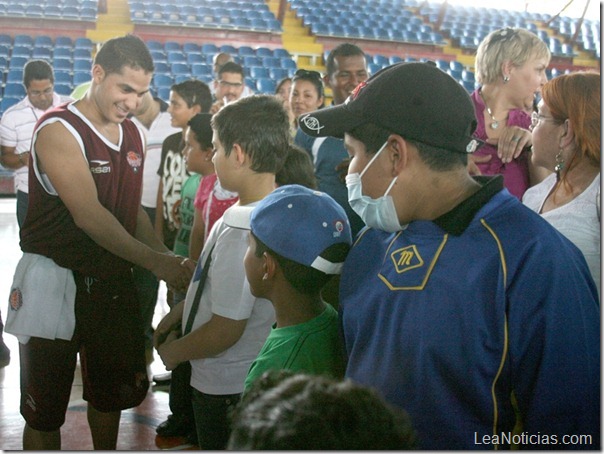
point(312, 347)
point(187, 213)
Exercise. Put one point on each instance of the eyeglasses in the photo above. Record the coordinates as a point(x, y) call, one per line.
point(305, 73)
point(224, 83)
point(536, 118)
point(37, 94)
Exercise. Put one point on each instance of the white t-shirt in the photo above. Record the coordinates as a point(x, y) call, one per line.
point(577, 220)
point(155, 135)
point(16, 130)
point(227, 293)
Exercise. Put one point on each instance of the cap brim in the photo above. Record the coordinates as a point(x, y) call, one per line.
point(238, 217)
point(330, 122)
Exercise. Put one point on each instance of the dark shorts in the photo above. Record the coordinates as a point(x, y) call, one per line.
point(109, 339)
point(212, 419)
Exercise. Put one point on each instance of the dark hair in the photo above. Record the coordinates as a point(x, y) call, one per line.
point(313, 77)
point(305, 279)
point(201, 126)
point(343, 50)
point(281, 82)
point(306, 412)
point(231, 67)
point(298, 169)
point(195, 93)
point(437, 159)
point(260, 125)
point(126, 50)
point(37, 70)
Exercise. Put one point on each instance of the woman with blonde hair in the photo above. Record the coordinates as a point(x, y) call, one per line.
point(566, 139)
point(510, 68)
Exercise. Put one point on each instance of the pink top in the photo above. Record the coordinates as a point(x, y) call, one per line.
point(212, 200)
point(515, 173)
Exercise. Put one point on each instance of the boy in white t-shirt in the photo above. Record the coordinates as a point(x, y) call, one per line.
point(230, 325)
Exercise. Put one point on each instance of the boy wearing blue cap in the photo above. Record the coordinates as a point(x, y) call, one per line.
point(299, 239)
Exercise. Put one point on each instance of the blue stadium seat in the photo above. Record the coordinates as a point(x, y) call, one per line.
point(251, 60)
point(201, 69)
point(8, 101)
point(373, 68)
point(257, 72)
point(162, 67)
point(63, 41)
point(163, 80)
point(245, 51)
point(158, 55)
point(63, 77)
point(82, 54)
point(191, 47)
point(381, 60)
point(14, 89)
point(63, 89)
point(61, 52)
point(468, 85)
point(171, 46)
point(209, 48)
point(82, 43)
point(228, 49)
point(281, 53)
point(80, 77)
point(194, 57)
point(62, 64)
point(180, 78)
point(43, 41)
point(17, 62)
point(180, 69)
point(266, 85)
point(278, 73)
point(289, 63)
point(42, 52)
point(266, 52)
point(82, 65)
point(21, 51)
point(163, 93)
point(176, 56)
point(15, 9)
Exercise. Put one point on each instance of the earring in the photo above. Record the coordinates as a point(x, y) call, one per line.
point(506, 79)
point(559, 164)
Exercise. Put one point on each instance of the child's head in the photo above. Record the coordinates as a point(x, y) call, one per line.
point(298, 169)
point(260, 126)
point(187, 99)
point(198, 150)
point(310, 412)
point(304, 231)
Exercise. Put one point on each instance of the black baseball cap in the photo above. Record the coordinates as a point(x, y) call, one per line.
point(415, 100)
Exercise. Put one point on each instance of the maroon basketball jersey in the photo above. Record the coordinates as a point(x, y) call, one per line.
point(49, 228)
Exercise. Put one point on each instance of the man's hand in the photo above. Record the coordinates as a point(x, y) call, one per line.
point(175, 270)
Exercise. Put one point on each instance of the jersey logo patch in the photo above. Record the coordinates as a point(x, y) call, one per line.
point(135, 160)
point(406, 259)
point(15, 299)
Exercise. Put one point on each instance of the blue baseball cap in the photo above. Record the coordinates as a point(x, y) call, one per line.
point(297, 223)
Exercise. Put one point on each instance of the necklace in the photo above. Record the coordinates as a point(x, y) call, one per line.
point(495, 123)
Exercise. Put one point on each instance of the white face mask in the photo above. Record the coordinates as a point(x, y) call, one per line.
point(376, 213)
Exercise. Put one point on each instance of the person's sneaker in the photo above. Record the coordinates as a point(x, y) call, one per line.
point(174, 427)
point(4, 355)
